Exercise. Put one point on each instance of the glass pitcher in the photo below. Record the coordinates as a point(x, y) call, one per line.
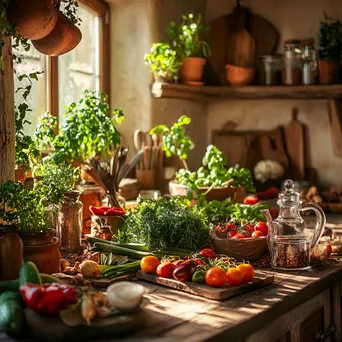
point(289, 240)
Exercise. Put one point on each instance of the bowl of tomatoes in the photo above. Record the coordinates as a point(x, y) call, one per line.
point(242, 241)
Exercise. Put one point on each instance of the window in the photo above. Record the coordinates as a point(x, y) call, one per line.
point(67, 76)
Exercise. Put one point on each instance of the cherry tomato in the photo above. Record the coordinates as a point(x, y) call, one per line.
point(149, 264)
point(232, 234)
point(240, 236)
point(207, 253)
point(234, 276)
point(198, 261)
point(328, 250)
point(215, 277)
point(247, 270)
point(248, 229)
point(257, 233)
point(178, 262)
point(251, 200)
point(262, 226)
point(231, 226)
point(165, 269)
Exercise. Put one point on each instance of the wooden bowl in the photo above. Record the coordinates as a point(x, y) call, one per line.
point(248, 249)
point(238, 76)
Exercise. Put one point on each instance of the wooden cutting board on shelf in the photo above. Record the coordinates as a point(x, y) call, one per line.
point(222, 28)
point(203, 290)
point(294, 141)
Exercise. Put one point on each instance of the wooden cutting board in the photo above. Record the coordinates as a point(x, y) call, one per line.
point(203, 290)
point(294, 141)
point(222, 28)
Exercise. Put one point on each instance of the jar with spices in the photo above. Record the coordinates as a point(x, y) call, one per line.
point(309, 61)
point(70, 222)
point(270, 70)
point(11, 253)
point(291, 73)
point(90, 195)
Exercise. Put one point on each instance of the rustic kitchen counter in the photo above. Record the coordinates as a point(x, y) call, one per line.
point(295, 308)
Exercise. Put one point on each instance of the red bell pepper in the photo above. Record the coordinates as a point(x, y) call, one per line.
point(109, 211)
point(48, 299)
point(115, 211)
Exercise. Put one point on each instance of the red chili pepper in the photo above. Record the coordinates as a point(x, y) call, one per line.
point(269, 193)
point(48, 299)
point(250, 200)
point(115, 211)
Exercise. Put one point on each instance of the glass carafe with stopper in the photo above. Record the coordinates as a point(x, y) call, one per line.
point(289, 240)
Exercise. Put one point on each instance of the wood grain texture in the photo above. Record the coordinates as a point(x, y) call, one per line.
point(335, 120)
point(198, 93)
point(7, 118)
point(206, 291)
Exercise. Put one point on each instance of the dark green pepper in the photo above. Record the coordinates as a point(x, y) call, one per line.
point(199, 276)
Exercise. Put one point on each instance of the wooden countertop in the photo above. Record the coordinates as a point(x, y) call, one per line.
point(176, 316)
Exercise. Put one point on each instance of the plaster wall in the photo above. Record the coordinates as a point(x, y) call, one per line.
point(292, 19)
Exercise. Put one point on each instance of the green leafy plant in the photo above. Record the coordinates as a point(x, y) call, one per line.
point(330, 37)
point(163, 62)
point(45, 131)
point(187, 37)
point(55, 181)
point(70, 11)
point(88, 130)
point(175, 141)
point(23, 207)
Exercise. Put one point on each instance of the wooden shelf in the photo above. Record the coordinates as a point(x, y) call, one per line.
point(197, 93)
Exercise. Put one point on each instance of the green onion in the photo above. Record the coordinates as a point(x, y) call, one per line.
point(105, 247)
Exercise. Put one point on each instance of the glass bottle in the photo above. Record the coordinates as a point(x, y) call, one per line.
point(90, 195)
point(291, 73)
point(270, 70)
point(70, 222)
point(309, 61)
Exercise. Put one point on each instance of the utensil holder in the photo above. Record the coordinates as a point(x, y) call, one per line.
point(146, 179)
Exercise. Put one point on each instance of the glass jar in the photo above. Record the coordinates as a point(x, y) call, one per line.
point(11, 253)
point(70, 222)
point(291, 73)
point(309, 62)
point(90, 195)
point(270, 70)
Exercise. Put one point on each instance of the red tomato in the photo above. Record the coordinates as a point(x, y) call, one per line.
point(262, 226)
point(257, 233)
point(232, 234)
point(198, 261)
point(234, 276)
point(231, 226)
point(248, 229)
point(240, 236)
point(165, 269)
point(328, 250)
point(247, 270)
point(251, 200)
point(178, 262)
point(215, 277)
point(207, 253)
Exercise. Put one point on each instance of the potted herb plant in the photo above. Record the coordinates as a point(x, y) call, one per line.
point(188, 41)
point(330, 41)
point(213, 179)
point(164, 63)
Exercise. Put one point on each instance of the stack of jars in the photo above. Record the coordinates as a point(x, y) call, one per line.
point(297, 65)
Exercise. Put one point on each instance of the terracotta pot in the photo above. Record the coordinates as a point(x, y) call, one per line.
point(43, 250)
point(19, 175)
point(33, 19)
point(329, 71)
point(238, 76)
point(220, 193)
point(146, 179)
point(62, 39)
point(192, 69)
point(241, 249)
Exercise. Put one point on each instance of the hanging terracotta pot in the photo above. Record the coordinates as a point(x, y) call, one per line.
point(192, 69)
point(63, 38)
point(33, 19)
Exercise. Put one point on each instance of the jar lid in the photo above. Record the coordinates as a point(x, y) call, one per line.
point(271, 57)
point(292, 42)
point(72, 194)
point(308, 41)
point(289, 195)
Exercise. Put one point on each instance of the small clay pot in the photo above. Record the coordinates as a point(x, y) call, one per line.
point(238, 76)
point(43, 250)
point(19, 175)
point(33, 19)
point(192, 69)
point(62, 39)
point(329, 71)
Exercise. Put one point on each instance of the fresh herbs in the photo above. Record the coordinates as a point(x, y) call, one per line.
point(70, 11)
point(175, 142)
point(164, 224)
point(163, 62)
point(187, 37)
point(45, 132)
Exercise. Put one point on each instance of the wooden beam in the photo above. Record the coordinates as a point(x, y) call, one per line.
point(7, 118)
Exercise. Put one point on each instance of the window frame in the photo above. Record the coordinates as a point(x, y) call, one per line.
point(101, 9)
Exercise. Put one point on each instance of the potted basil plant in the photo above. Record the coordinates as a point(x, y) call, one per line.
point(187, 38)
